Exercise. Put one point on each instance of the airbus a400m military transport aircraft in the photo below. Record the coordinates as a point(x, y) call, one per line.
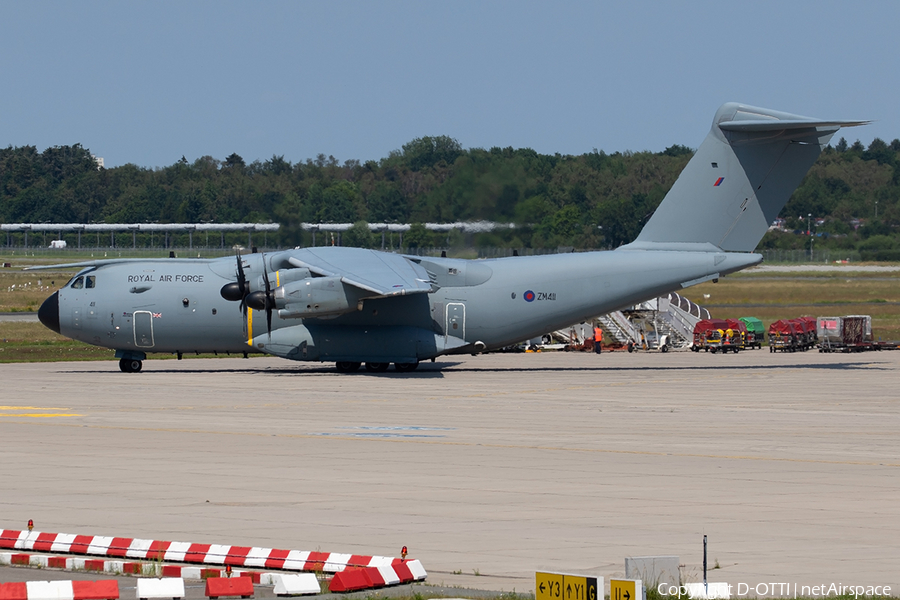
point(354, 306)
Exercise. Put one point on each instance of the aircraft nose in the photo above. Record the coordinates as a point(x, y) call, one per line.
point(48, 313)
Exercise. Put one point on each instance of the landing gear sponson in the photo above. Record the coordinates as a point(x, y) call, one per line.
point(373, 367)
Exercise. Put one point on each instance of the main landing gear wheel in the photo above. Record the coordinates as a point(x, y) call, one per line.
point(346, 366)
point(127, 365)
point(406, 367)
point(377, 367)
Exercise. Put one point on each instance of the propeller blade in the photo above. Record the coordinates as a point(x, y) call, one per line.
point(270, 298)
point(242, 283)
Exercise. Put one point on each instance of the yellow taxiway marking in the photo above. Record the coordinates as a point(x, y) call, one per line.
point(39, 415)
point(35, 415)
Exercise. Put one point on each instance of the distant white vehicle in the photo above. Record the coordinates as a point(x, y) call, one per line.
point(58, 244)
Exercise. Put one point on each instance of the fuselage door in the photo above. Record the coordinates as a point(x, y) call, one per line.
point(456, 319)
point(143, 329)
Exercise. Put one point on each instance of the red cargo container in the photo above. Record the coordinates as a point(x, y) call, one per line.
point(710, 335)
point(738, 339)
point(785, 335)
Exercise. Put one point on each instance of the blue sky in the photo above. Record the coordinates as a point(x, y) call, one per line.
point(148, 82)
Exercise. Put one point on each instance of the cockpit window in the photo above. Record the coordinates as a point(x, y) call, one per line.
point(90, 282)
point(78, 283)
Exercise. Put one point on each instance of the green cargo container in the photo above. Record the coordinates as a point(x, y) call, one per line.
point(755, 332)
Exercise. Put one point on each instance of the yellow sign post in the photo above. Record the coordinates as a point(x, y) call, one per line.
point(625, 589)
point(561, 586)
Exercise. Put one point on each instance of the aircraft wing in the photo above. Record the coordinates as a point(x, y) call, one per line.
point(380, 273)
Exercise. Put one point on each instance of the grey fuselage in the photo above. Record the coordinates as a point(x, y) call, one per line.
point(175, 305)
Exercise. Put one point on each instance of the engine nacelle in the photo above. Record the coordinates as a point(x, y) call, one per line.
point(315, 297)
point(282, 277)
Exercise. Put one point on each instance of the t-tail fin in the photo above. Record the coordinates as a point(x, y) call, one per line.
point(738, 181)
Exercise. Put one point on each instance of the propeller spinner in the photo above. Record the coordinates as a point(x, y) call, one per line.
point(237, 290)
point(263, 300)
point(259, 300)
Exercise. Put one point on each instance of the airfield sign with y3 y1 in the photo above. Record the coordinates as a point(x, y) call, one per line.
point(562, 586)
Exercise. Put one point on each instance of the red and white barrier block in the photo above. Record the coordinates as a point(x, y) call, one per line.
point(351, 571)
point(166, 587)
point(364, 578)
point(207, 554)
point(60, 590)
point(296, 585)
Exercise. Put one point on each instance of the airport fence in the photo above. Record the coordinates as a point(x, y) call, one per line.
point(769, 256)
point(823, 256)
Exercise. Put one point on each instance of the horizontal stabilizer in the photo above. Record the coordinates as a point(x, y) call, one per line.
point(777, 125)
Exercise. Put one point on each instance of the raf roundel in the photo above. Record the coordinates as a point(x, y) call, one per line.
point(529, 296)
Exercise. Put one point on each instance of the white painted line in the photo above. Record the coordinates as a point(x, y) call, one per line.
point(388, 574)
point(63, 542)
point(418, 571)
point(138, 548)
point(257, 557)
point(99, 545)
point(20, 541)
point(217, 553)
point(336, 562)
point(113, 566)
point(176, 551)
point(295, 560)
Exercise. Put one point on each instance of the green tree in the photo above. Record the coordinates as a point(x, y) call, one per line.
point(386, 204)
point(338, 203)
point(234, 161)
point(358, 236)
point(417, 236)
point(427, 151)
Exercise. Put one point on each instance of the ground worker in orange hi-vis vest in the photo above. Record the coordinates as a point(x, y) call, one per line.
point(598, 339)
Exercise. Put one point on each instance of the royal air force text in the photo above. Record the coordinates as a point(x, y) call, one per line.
point(165, 278)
